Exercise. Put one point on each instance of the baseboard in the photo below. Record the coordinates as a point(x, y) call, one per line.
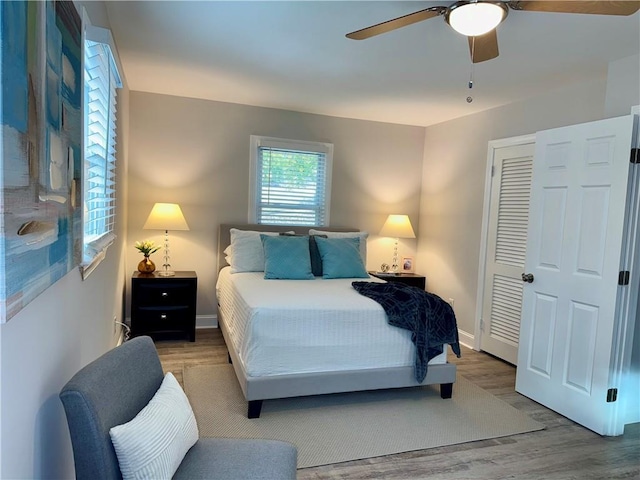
point(465, 339)
point(206, 321)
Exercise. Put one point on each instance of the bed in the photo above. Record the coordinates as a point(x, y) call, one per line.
point(308, 345)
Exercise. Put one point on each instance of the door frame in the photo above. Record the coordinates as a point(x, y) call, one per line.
point(484, 235)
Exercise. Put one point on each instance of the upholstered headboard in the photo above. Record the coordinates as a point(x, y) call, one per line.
point(224, 237)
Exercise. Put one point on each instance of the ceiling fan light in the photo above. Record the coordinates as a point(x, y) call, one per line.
point(475, 18)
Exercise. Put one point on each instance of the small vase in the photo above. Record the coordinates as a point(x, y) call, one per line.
point(146, 265)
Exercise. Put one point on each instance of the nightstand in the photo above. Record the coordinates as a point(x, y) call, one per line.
point(164, 307)
point(412, 279)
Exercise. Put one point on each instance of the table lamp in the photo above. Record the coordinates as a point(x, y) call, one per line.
point(397, 226)
point(166, 216)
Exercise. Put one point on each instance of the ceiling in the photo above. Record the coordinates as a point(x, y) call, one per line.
point(294, 56)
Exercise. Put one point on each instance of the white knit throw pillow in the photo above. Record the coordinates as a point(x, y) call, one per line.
point(153, 444)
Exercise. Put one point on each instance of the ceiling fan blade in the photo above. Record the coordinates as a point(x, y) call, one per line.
point(396, 23)
point(484, 47)
point(621, 7)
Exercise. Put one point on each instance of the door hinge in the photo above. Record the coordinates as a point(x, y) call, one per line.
point(482, 324)
point(635, 155)
point(612, 395)
point(493, 170)
point(623, 278)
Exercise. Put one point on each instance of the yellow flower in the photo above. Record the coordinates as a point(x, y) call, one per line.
point(147, 247)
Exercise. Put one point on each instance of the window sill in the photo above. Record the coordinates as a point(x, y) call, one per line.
point(87, 268)
point(90, 264)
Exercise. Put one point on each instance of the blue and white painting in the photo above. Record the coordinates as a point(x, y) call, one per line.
point(40, 142)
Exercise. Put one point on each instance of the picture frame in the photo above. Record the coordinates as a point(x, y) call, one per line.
point(407, 264)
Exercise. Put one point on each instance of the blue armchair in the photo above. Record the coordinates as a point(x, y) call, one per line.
point(112, 390)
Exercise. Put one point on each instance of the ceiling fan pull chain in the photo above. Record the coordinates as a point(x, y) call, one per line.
point(473, 47)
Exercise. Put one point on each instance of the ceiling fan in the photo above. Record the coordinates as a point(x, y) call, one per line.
point(478, 19)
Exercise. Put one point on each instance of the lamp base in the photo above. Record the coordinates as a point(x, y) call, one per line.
point(166, 273)
point(394, 264)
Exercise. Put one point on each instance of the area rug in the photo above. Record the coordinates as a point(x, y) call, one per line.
point(349, 426)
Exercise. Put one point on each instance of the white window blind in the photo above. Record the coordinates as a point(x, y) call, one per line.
point(100, 83)
point(291, 182)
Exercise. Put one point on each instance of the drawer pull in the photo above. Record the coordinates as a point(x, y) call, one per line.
point(163, 316)
point(165, 294)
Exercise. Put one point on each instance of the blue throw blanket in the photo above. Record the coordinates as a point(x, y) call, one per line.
point(429, 318)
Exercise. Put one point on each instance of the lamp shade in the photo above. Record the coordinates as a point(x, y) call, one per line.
point(398, 226)
point(166, 216)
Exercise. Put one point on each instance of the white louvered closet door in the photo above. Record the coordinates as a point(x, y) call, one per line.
point(506, 250)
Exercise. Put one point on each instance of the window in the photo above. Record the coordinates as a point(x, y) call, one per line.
point(101, 79)
point(290, 182)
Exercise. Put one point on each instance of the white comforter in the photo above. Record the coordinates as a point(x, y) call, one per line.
point(301, 326)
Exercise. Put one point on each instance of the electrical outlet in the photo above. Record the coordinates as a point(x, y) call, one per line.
point(451, 302)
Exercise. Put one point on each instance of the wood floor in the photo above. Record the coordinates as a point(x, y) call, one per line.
point(564, 450)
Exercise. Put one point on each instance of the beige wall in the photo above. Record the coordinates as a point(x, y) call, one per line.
point(45, 344)
point(196, 153)
point(623, 85)
point(455, 159)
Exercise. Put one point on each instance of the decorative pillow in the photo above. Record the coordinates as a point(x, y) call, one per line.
point(316, 260)
point(153, 444)
point(361, 235)
point(341, 258)
point(246, 250)
point(286, 257)
point(228, 255)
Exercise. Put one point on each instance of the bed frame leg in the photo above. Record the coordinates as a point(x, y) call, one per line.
point(254, 408)
point(446, 390)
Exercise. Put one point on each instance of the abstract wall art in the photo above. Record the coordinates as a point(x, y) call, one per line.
point(40, 145)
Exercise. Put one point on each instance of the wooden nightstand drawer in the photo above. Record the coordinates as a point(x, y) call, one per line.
point(167, 315)
point(151, 320)
point(164, 293)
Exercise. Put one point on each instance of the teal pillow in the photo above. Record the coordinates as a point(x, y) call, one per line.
point(286, 257)
point(316, 260)
point(341, 258)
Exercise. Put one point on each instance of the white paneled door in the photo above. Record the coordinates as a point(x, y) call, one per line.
point(506, 250)
point(566, 358)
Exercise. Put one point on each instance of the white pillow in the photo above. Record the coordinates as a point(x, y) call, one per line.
point(246, 250)
point(361, 235)
point(228, 255)
point(153, 444)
